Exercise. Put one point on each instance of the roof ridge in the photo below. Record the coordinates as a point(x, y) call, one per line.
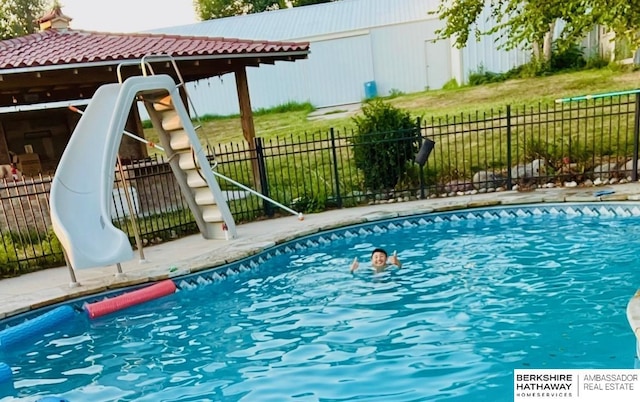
point(168, 36)
point(59, 46)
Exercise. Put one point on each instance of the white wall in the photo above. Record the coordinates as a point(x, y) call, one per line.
point(485, 53)
point(397, 57)
point(337, 70)
point(400, 61)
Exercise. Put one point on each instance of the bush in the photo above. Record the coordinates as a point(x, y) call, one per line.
point(386, 139)
point(451, 84)
point(394, 93)
point(570, 58)
point(482, 76)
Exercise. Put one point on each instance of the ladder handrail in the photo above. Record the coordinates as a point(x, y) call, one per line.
point(146, 61)
point(119, 68)
point(254, 192)
point(160, 58)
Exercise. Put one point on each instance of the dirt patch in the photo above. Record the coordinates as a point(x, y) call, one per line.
point(335, 112)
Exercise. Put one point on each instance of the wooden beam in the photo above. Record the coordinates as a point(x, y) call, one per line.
point(246, 114)
point(246, 121)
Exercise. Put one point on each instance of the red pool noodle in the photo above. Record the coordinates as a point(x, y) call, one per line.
point(123, 301)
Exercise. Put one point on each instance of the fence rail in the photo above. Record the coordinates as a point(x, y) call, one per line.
point(594, 139)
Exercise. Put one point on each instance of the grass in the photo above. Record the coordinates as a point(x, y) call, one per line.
point(291, 119)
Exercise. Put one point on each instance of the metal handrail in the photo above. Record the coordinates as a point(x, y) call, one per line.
point(146, 62)
point(119, 68)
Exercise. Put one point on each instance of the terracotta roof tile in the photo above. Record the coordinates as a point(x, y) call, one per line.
point(52, 47)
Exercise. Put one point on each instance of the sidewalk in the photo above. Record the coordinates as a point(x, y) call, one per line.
point(193, 253)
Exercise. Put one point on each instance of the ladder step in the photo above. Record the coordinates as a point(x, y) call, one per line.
point(163, 104)
point(212, 214)
point(194, 180)
point(204, 196)
point(187, 161)
point(171, 121)
point(180, 140)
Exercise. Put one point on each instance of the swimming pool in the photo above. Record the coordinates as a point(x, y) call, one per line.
point(481, 293)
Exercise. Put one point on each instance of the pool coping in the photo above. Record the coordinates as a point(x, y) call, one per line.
point(257, 237)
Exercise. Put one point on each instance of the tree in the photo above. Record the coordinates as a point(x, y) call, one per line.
point(621, 17)
point(18, 17)
point(530, 23)
point(211, 9)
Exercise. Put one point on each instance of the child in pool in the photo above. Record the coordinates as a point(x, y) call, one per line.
point(379, 261)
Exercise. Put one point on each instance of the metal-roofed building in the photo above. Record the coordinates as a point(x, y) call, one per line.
point(358, 48)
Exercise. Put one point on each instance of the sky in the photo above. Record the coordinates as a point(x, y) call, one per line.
point(128, 15)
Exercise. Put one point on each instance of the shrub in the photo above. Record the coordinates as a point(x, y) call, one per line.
point(451, 84)
point(482, 76)
point(569, 58)
point(384, 141)
point(394, 93)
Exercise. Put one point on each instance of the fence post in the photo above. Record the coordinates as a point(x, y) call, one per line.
point(262, 171)
point(335, 167)
point(636, 139)
point(421, 165)
point(509, 183)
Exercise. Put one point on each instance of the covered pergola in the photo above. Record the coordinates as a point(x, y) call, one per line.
point(43, 72)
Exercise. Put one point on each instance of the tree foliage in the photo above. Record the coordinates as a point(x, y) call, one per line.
point(211, 9)
point(386, 139)
point(530, 23)
point(18, 17)
point(622, 17)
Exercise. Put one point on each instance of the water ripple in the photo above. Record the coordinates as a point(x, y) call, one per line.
point(474, 300)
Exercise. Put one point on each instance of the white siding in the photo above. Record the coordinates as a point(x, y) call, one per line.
point(310, 21)
point(352, 42)
point(216, 96)
point(484, 53)
point(269, 86)
point(338, 69)
point(399, 59)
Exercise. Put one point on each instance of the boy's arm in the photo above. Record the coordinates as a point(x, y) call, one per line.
point(395, 261)
point(354, 264)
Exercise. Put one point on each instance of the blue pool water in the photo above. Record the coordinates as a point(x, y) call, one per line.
point(475, 299)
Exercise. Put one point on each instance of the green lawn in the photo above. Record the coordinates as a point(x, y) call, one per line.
point(439, 103)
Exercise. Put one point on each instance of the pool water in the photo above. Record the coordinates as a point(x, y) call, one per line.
point(475, 300)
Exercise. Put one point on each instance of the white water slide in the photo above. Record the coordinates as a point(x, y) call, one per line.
point(81, 191)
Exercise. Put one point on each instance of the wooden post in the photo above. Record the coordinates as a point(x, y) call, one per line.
point(130, 148)
point(5, 157)
point(246, 120)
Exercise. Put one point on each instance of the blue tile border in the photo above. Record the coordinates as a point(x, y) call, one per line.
point(604, 209)
point(220, 273)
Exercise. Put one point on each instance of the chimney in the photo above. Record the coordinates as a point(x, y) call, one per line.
point(54, 19)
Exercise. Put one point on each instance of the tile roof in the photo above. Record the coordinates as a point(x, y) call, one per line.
point(68, 46)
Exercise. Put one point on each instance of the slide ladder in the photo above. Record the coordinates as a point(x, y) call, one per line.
point(82, 187)
point(190, 165)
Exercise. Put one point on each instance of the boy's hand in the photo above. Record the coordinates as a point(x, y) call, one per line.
point(354, 264)
point(394, 259)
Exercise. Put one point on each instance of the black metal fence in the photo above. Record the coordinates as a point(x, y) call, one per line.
point(588, 141)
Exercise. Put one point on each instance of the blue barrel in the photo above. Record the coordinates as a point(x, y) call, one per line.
point(370, 90)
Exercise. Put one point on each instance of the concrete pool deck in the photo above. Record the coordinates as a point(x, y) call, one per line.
point(193, 253)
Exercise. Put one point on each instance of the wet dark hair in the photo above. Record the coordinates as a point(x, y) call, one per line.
point(379, 250)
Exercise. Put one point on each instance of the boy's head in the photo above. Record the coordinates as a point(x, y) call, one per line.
point(378, 257)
